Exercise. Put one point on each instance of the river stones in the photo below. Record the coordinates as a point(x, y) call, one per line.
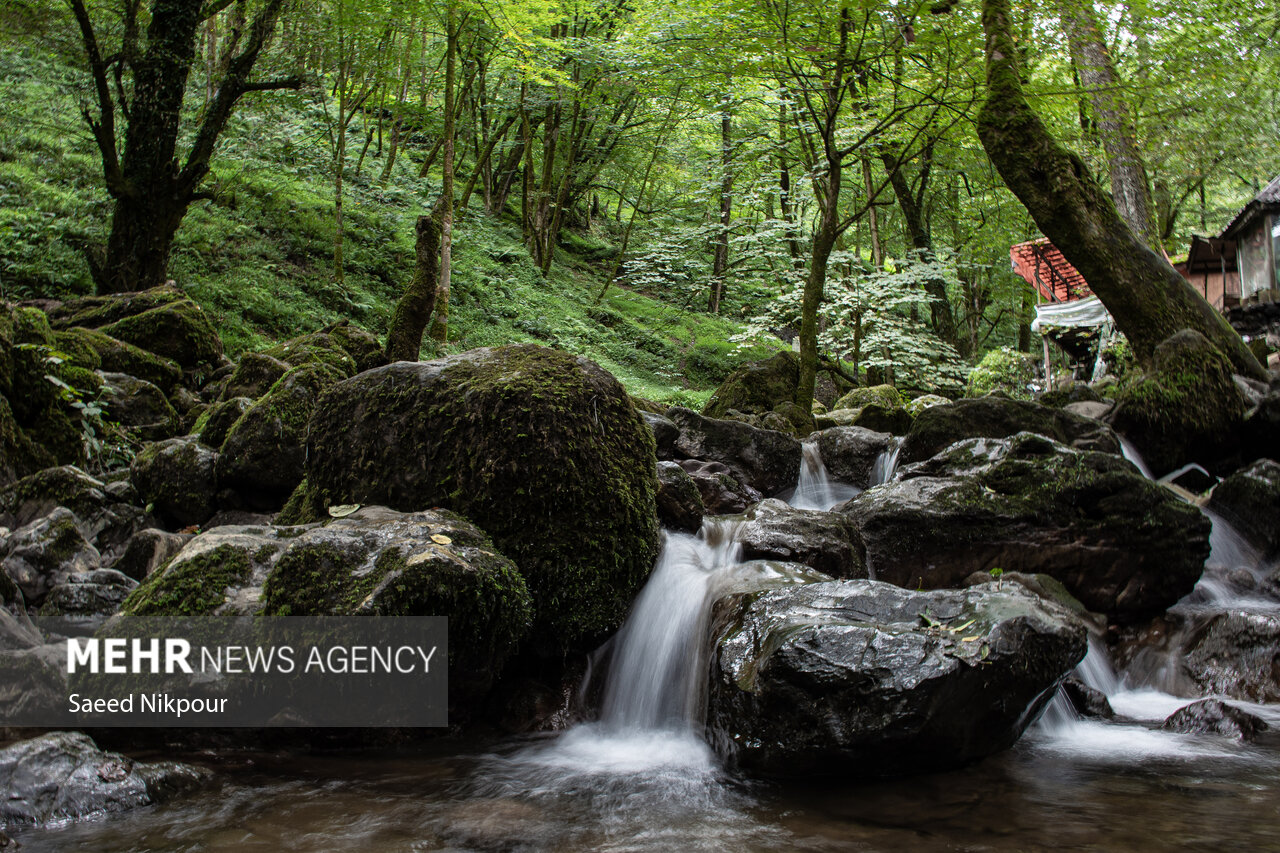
point(41, 555)
point(63, 776)
point(1121, 544)
point(860, 677)
point(542, 449)
point(176, 477)
point(1000, 417)
point(680, 504)
point(766, 460)
point(825, 541)
point(1250, 500)
point(849, 453)
point(1215, 717)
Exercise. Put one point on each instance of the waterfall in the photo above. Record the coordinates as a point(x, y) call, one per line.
point(816, 489)
point(1131, 453)
point(886, 463)
point(657, 675)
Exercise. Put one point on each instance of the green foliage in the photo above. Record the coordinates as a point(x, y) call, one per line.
point(1004, 369)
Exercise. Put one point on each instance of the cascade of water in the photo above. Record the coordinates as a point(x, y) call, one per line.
point(886, 463)
point(659, 664)
point(1131, 453)
point(816, 489)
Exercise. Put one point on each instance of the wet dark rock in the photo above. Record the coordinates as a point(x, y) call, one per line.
point(850, 452)
point(176, 477)
point(253, 376)
point(83, 602)
point(180, 331)
point(665, 433)
point(1185, 409)
point(148, 550)
point(542, 449)
point(16, 629)
point(679, 502)
point(63, 776)
point(140, 407)
point(722, 493)
point(1250, 500)
point(431, 563)
point(1235, 653)
point(766, 460)
point(895, 420)
point(868, 678)
point(1087, 701)
point(1097, 410)
point(1119, 543)
point(263, 457)
point(42, 554)
point(104, 517)
point(1000, 417)
point(1215, 717)
point(824, 541)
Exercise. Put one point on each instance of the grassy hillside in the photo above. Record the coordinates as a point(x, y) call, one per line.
point(259, 256)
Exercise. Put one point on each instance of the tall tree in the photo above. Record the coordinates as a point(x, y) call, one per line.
point(1149, 300)
point(151, 188)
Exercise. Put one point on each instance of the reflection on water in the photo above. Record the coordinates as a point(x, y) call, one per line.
point(661, 795)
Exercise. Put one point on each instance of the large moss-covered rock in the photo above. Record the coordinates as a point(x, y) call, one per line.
point(180, 331)
point(680, 504)
point(315, 348)
point(117, 356)
point(176, 477)
point(263, 456)
point(432, 563)
point(254, 375)
point(1000, 417)
point(40, 555)
point(96, 311)
point(766, 460)
point(1120, 543)
point(105, 517)
point(542, 449)
point(63, 776)
point(1186, 408)
point(363, 347)
point(756, 388)
point(1250, 500)
point(216, 422)
point(140, 407)
point(29, 392)
point(19, 455)
point(852, 678)
point(882, 395)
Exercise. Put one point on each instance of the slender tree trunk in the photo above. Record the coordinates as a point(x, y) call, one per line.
point(720, 260)
point(1147, 298)
point(440, 328)
point(877, 253)
point(413, 311)
point(1130, 188)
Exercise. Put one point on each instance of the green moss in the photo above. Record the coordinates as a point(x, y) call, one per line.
point(1003, 369)
point(545, 452)
point(180, 331)
point(302, 507)
point(82, 354)
point(191, 586)
point(93, 312)
point(315, 348)
point(116, 356)
point(882, 395)
point(19, 455)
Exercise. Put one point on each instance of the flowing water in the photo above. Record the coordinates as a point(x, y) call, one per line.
point(641, 777)
point(886, 463)
point(816, 489)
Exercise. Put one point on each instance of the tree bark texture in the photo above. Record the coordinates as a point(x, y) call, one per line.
point(1147, 298)
point(413, 311)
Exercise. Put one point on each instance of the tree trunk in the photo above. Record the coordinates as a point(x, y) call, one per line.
point(720, 260)
point(413, 311)
point(440, 328)
point(1147, 298)
point(1130, 188)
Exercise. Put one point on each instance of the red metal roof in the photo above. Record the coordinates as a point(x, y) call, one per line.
point(1043, 266)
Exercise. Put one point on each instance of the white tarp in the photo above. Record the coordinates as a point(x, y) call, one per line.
point(1081, 313)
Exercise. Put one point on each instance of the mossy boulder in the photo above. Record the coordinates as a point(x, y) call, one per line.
point(895, 420)
point(680, 504)
point(180, 331)
point(315, 348)
point(996, 416)
point(542, 449)
point(82, 353)
point(1186, 408)
point(1250, 500)
point(105, 518)
point(756, 388)
point(40, 555)
point(1120, 543)
point(882, 395)
point(850, 453)
point(254, 375)
point(94, 312)
point(115, 356)
point(29, 392)
point(363, 347)
point(432, 563)
point(262, 458)
point(1006, 370)
point(19, 455)
point(84, 601)
point(215, 422)
point(140, 407)
point(176, 478)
